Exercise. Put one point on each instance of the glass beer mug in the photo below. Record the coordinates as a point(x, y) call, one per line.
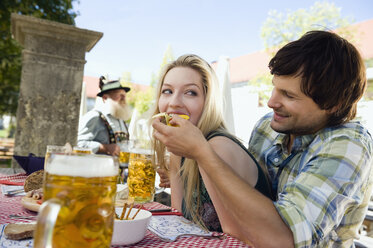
point(124, 154)
point(141, 176)
point(79, 196)
point(123, 158)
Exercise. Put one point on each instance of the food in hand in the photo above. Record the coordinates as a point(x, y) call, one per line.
point(167, 117)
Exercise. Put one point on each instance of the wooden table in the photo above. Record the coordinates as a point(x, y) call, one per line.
point(12, 205)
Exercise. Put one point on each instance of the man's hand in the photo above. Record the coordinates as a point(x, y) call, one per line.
point(164, 178)
point(110, 149)
point(184, 139)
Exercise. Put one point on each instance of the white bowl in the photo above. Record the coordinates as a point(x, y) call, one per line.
point(130, 231)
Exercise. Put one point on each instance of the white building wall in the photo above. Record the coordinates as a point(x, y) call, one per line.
point(246, 111)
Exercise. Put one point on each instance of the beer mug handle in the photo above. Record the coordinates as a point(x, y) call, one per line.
point(46, 220)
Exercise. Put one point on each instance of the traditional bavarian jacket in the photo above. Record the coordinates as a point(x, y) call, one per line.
point(100, 127)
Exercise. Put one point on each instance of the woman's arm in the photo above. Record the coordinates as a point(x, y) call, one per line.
point(243, 166)
point(254, 213)
point(176, 184)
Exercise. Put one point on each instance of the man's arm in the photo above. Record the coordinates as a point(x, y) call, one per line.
point(110, 149)
point(254, 213)
point(90, 132)
point(93, 134)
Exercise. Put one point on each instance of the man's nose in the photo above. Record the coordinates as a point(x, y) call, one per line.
point(274, 100)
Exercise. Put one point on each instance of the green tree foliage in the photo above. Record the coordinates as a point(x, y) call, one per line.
point(369, 63)
point(126, 79)
point(281, 28)
point(261, 84)
point(138, 98)
point(10, 50)
point(144, 100)
point(168, 56)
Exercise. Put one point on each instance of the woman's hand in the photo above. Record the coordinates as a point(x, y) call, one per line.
point(184, 139)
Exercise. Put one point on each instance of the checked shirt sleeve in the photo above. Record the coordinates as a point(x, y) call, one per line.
point(323, 198)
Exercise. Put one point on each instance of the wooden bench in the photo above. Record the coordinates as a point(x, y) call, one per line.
point(6, 148)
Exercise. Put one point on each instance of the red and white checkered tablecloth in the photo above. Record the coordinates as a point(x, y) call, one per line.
point(151, 240)
point(12, 205)
point(16, 179)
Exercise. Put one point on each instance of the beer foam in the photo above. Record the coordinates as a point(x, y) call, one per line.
point(141, 151)
point(81, 165)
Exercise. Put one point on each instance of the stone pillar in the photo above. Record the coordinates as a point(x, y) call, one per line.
point(53, 59)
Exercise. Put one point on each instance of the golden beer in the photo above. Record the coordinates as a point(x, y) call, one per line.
point(82, 150)
point(124, 157)
point(84, 186)
point(141, 178)
point(123, 165)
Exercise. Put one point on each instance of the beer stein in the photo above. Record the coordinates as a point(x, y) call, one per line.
point(123, 158)
point(124, 154)
point(79, 196)
point(56, 149)
point(141, 175)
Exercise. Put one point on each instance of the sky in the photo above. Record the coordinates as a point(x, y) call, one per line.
point(136, 33)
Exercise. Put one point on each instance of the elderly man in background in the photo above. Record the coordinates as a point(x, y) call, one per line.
point(103, 127)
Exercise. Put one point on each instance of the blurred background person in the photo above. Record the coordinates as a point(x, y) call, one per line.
point(103, 127)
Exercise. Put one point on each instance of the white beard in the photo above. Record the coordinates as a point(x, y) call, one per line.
point(119, 111)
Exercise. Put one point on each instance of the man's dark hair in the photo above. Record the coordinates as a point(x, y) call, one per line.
point(332, 71)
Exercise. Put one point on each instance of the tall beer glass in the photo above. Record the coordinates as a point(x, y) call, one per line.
point(123, 158)
point(141, 176)
point(79, 195)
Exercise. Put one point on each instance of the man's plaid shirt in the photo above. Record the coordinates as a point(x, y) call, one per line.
point(323, 185)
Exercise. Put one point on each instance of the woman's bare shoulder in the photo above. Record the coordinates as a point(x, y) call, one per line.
point(236, 157)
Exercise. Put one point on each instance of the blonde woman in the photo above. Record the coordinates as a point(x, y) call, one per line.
point(188, 86)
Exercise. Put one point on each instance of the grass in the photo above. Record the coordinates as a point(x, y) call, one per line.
point(5, 163)
point(3, 133)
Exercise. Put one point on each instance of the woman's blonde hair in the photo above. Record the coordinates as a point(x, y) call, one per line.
point(211, 119)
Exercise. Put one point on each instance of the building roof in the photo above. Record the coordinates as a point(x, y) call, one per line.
point(246, 67)
point(91, 86)
point(365, 38)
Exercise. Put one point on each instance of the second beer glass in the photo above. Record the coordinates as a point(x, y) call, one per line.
point(141, 176)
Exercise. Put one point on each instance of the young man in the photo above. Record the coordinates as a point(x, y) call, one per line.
point(102, 127)
point(318, 159)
